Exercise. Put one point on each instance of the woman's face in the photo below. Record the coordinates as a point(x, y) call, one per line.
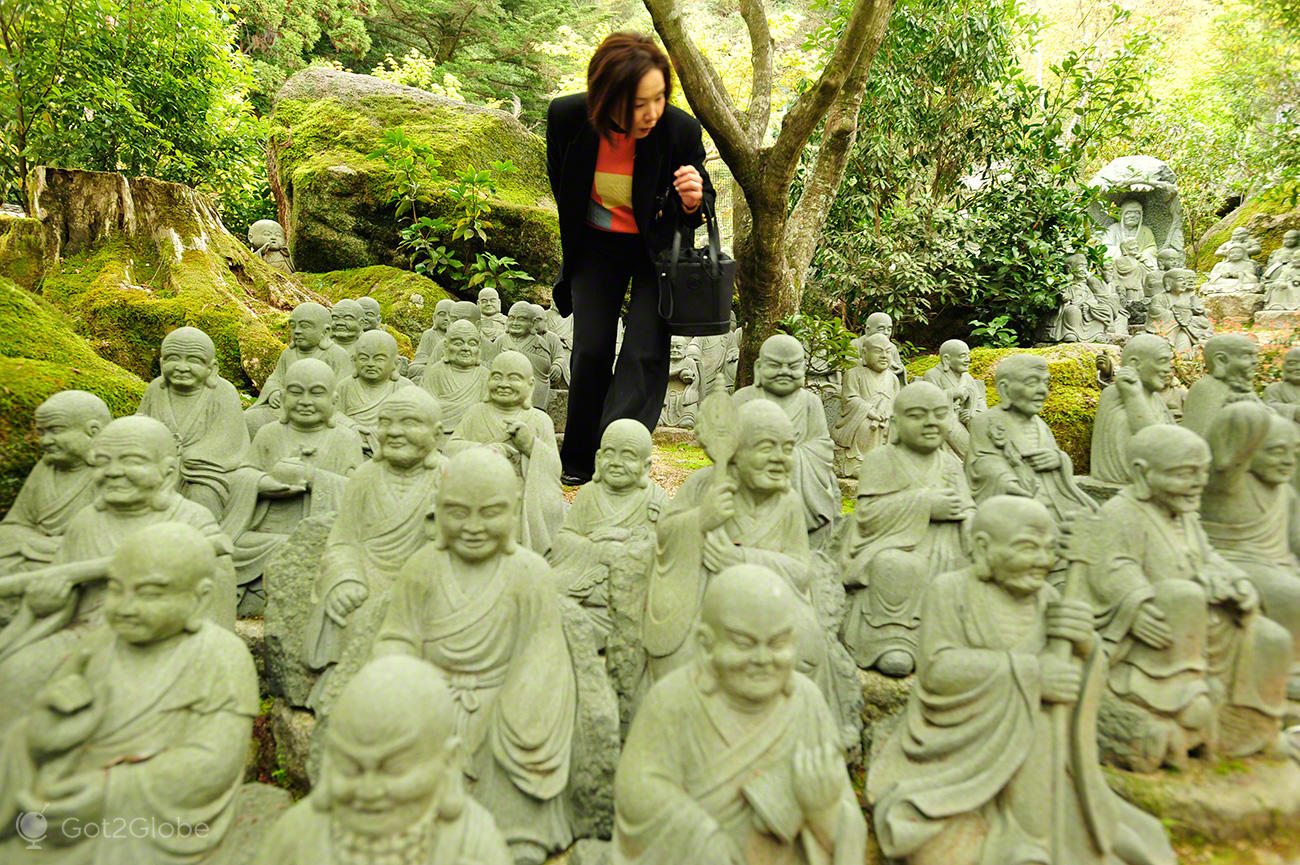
point(648, 104)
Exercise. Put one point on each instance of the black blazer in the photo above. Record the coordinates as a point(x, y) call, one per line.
point(571, 146)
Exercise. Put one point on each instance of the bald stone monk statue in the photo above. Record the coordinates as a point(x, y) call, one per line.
point(867, 403)
point(995, 757)
point(779, 376)
point(309, 337)
point(1082, 316)
point(912, 509)
point(1177, 313)
point(204, 412)
point(266, 237)
point(144, 723)
point(430, 346)
point(484, 611)
point(375, 380)
point(1135, 401)
point(519, 336)
point(1192, 659)
point(682, 399)
point(491, 321)
point(1235, 273)
point(1283, 396)
point(59, 485)
point(457, 379)
point(1230, 361)
point(969, 396)
point(347, 324)
point(735, 759)
point(559, 373)
point(881, 323)
point(507, 421)
point(372, 314)
point(394, 724)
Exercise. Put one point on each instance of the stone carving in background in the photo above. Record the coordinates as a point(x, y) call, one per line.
point(1283, 293)
point(1151, 184)
point(1230, 361)
point(1284, 396)
point(1135, 401)
point(1240, 235)
point(562, 327)
point(376, 380)
point(1235, 273)
point(732, 360)
point(346, 319)
point(881, 323)
point(372, 314)
point(1083, 316)
point(1130, 272)
point(867, 403)
point(492, 322)
point(1177, 314)
point(1288, 252)
point(457, 378)
point(309, 337)
point(1168, 259)
point(682, 398)
point(521, 336)
point(430, 347)
point(1128, 236)
point(266, 236)
point(559, 372)
point(969, 397)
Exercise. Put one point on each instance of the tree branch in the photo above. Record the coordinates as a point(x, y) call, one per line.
point(759, 112)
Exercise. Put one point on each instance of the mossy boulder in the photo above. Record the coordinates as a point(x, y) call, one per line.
point(1267, 215)
point(325, 126)
point(22, 249)
point(407, 299)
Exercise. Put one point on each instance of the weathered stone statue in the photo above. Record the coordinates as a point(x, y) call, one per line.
point(376, 380)
point(1235, 273)
point(1013, 452)
point(1192, 659)
point(559, 374)
point(1151, 183)
point(372, 314)
point(483, 610)
point(713, 357)
point(1135, 401)
point(867, 403)
point(1240, 235)
point(912, 509)
point(466, 310)
point(507, 421)
point(1284, 396)
point(346, 326)
point(1083, 317)
point(430, 347)
point(732, 360)
point(1130, 227)
point(203, 410)
point(881, 323)
point(1170, 258)
point(562, 327)
point(1130, 272)
point(309, 334)
point(682, 399)
point(1177, 313)
point(146, 720)
point(269, 244)
point(1230, 360)
point(519, 336)
point(779, 377)
point(457, 379)
point(59, 485)
point(492, 322)
point(995, 757)
point(735, 758)
point(1288, 252)
point(969, 397)
point(1284, 290)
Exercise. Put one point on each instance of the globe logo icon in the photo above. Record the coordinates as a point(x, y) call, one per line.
point(31, 826)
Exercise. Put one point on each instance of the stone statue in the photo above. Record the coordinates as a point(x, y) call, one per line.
point(1135, 401)
point(559, 374)
point(146, 720)
point(393, 727)
point(562, 327)
point(1192, 660)
point(519, 336)
point(269, 244)
point(995, 757)
point(372, 314)
point(734, 758)
point(376, 380)
point(203, 411)
point(713, 357)
point(507, 421)
point(912, 509)
point(867, 403)
point(1177, 313)
point(346, 324)
point(457, 379)
point(466, 310)
point(1288, 252)
point(1283, 396)
point(1150, 183)
point(1230, 361)
point(59, 485)
point(682, 399)
point(483, 610)
point(492, 322)
point(969, 397)
point(1013, 452)
point(732, 360)
point(1129, 227)
point(1083, 316)
point(613, 519)
point(430, 347)
point(779, 377)
point(1240, 235)
point(1235, 273)
point(383, 519)
point(309, 335)
point(1283, 291)
point(1170, 259)
point(881, 323)
point(1130, 272)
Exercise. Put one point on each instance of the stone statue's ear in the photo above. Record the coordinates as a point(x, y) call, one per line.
point(980, 555)
point(92, 427)
point(201, 592)
point(645, 473)
point(451, 802)
point(1138, 479)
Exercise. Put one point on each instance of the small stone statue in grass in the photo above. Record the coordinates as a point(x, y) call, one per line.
point(1135, 401)
point(867, 403)
point(1177, 313)
point(269, 244)
point(492, 322)
point(372, 314)
point(969, 396)
point(309, 337)
point(347, 324)
point(682, 399)
point(1230, 361)
point(430, 348)
point(457, 378)
point(376, 379)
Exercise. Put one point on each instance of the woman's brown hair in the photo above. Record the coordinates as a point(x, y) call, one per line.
point(613, 75)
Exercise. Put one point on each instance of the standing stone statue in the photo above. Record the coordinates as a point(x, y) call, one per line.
point(430, 347)
point(1241, 236)
point(1130, 272)
point(1177, 313)
point(346, 324)
point(1230, 360)
point(735, 757)
point(203, 410)
point(1288, 252)
point(145, 723)
point(909, 524)
point(372, 314)
point(1082, 317)
point(682, 398)
point(375, 381)
point(867, 403)
point(59, 485)
point(309, 334)
point(1235, 273)
point(713, 357)
point(392, 727)
point(269, 244)
point(1135, 401)
point(457, 379)
point(995, 757)
point(483, 610)
point(1129, 227)
point(520, 336)
point(732, 360)
point(880, 323)
point(492, 322)
point(1284, 396)
point(969, 396)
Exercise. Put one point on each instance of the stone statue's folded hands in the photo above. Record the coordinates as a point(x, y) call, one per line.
point(1149, 627)
point(946, 504)
point(1071, 620)
point(1245, 597)
point(343, 599)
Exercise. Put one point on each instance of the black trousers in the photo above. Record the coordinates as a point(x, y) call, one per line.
point(599, 393)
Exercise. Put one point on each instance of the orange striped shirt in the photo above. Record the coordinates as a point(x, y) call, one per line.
point(610, 207)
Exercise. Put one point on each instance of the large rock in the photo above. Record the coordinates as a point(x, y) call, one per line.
point(1233, 310)
point(289, 577)
point(1267, 215)
point(325, 125)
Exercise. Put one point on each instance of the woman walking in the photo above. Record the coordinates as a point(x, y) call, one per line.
point(626, 169)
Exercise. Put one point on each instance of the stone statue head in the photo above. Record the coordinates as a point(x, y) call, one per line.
point(1275, 461)
point(1013, 543)
point(461, 347)
point(539, 318)
point(921, 412)
point(308, 401)
point(266, 231)
point(510, 381)
point(781, 366)
point(1252, 434)
point(392, 761)
point(372, 315)
point(1232, 358)
point(465, 309)
point(309, 326)
point(1236, 252)
point(1077, 264)
point(764, 460)
point(874, 352)
point(478, 505)
point(408, 429)
point(519, 322)
point(1109, 268)
point(158, 580)
point(189, 360)
point(1153, 358)
point(1022, 381)
point(66, 424)
point(442, 314)
point(1179, 279)
point(1291, 238)
point(1169, 466)
point(1169, 258)
point(376, 357)
point(623, 460)
point(1240, 234)
point(954, 356)
point(489, 302)
point(878, 322)
point(677, 347)
point(137, 465)
point(346, 321)
point(1291, 366)
point(1130, 214)
point(1153, 283)
point(747, 636)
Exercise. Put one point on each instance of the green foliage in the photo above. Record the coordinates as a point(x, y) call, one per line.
point(282, 36)
point(994, 333)
point(826, 342)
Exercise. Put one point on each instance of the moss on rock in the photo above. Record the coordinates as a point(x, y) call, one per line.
point(22, 250)
point(1267, 215)
point(407, 299)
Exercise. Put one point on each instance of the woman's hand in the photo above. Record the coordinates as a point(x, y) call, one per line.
point(689, 186)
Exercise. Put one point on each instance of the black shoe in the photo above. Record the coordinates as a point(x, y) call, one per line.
point(569, 479)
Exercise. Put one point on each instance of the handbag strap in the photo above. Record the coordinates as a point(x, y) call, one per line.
point(714, 254)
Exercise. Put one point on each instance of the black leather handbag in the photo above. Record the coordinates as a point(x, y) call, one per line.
point(695, 285)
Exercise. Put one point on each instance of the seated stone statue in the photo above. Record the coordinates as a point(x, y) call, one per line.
point(346, 324)
point(734, 759)
point(203, 411)
point(1082, 317)
point(1284, 290)
point(561, 326)
point(881, 323)
point(1130, 226)
point(372, 314)
point(59, 485)
point(1235, 273)
point(430, 348)
point(1240, 235)
point(1135, 401)
point(483, 610)
point(682, 399)
point(1230, 361)
point(269, 244)
point(520, 336)
point(912, 508)
point(492, 322)
point(1013, 452)
point(867, 401)
point(146, 720)
point(1283, 396)
point(457, 380)
point(1192, 659)
point(969, 396)
point(1288, 252)
point(376, 380)
point(559, 372)
point(779, 377)
point(1177, 313)
point(525, 435)
point(975, 771)
point(309, 334)
point(612, 519)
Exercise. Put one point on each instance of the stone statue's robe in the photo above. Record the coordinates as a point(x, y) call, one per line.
point(456, 390)
point(1116, 233)
point(895, 359)
point(500, 646)
point(1083, 317)
point(427, 352)
point(31, 532)
point(691, 765)
point(361, 402)
point(996, 467)
point(212, 433)
point(1281, 396)
point(893, 514)
point(976, 739)
point(713, 356)
point(1111, 433)
point(865, 391)
point(682, 399)
point(493, 327)
point(1205, 398)
point(1179, 318)
point(1130, 278)
point(967, 394)
point(544, 505)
